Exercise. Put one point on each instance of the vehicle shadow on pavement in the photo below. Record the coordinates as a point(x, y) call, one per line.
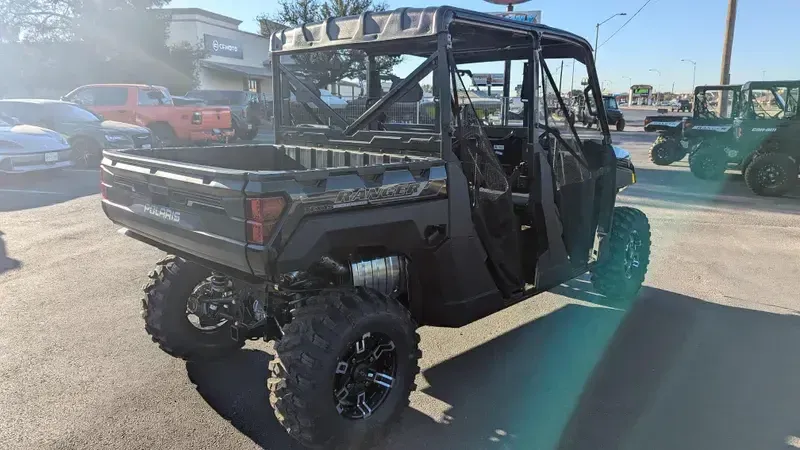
point(34, 190)
point(6, 263)
point(668, 372)
point(679, 189)
point(236, 389)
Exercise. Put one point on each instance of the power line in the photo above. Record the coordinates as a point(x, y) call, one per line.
point(623, 25)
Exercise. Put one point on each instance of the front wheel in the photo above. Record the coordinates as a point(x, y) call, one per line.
point(178, 315)
point(708, 163)
point(86, 153)
point(345, 368)
point(771, 174)
point(621, 125)
point(620, 270)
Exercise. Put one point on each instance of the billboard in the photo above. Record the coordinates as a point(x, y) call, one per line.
point(641, 89)
point(487, 79)
point(522, 16)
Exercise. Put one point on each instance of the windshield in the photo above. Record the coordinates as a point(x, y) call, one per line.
point(220, 98)
point(610, 103)
point(63, 112)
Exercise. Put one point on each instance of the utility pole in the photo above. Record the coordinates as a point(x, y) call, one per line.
point(597, 34)
point(560, 75)
point(694, 71)
point(725, 75)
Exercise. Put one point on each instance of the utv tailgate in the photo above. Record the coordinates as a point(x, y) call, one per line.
point(195, 210)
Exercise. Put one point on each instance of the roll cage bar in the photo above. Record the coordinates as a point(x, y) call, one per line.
point(445, 36)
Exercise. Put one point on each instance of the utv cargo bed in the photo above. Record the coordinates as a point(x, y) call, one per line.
point(184, 200)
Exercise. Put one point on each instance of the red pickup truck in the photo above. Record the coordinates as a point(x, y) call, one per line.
point(152, 107)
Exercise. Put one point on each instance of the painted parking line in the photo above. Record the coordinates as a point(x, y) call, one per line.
point(83, 170)
point(31, 191)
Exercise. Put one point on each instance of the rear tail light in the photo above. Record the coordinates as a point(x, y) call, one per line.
point(197, 118)
point(262, 215)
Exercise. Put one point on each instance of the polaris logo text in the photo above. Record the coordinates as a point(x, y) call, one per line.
point(365, 195)
point(720, 128)
point(163, 213)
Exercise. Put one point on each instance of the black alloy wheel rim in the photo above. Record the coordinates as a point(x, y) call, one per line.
point(364, 376)
point(663, 152)
point(632, 254)
point(771, 176)
point(201, 313)
point(709, 165)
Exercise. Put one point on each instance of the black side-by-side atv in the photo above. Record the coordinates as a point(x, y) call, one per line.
point(346, 235)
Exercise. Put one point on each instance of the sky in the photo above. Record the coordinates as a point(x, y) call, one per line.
point(664, 32)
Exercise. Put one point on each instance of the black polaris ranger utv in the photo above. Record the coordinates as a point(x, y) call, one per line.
point(763, 140)
point(679, 134)
point(345, 236)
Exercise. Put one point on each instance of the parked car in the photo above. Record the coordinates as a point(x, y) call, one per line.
point(28, 148)
point(88, 133)
point(153, 107)
point(246, 112)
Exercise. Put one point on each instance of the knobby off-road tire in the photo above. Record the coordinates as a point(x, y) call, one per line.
point(707, 163)
point(620, 271)
point(771, 174)
point(661, 154)
point(621, 125)
point(302, 382)
point(164, 312)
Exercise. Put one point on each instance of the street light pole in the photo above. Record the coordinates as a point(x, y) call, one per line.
point(597, 34)
point(630, 83)
point(659, 80)
point(694, 70)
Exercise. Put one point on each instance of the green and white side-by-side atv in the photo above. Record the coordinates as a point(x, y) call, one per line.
point(678, 135)
point(763, 140)
point(346, 235)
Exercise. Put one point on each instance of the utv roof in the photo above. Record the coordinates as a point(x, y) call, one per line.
point(717, 87)
point(768, 84)
point(414, 31)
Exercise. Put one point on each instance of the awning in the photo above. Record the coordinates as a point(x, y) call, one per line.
point(249, 71)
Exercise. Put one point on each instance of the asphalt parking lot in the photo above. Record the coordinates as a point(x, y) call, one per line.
point(705, 358)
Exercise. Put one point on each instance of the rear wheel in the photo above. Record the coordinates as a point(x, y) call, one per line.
point(708, 163)
point(345, 368)
point(771, 174)
point(620, 271)
point(662, 153)
point(179, 317)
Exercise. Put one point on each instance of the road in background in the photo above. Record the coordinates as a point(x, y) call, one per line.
point(705, 358)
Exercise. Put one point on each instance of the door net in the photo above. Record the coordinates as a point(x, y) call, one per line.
point(490, 191)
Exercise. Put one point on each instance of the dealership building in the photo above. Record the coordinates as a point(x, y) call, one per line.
point(237, 59)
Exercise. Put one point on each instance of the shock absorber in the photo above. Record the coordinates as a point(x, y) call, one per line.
point(219, 283)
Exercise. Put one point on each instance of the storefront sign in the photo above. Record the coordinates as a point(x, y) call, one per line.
point(487, 79)
point(533, 17)
point(220, 46)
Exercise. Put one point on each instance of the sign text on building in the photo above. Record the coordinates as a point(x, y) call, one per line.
point(220, 46)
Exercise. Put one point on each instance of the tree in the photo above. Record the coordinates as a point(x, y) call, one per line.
point(326, 67)
point(87, 41)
